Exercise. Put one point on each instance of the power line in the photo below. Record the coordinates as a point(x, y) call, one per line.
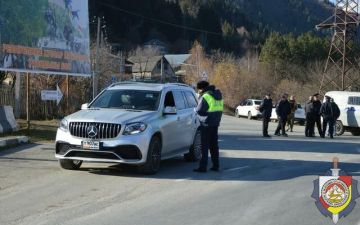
point(159, 21)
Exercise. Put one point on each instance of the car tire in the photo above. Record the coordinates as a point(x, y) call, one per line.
point(237, 115)
point(339, 128)
point(153, 159)
point(70, 164)
point(194, 154)
point(249, 116)
point(355, 131)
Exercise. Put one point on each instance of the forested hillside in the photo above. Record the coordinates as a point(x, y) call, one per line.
point(230, 25)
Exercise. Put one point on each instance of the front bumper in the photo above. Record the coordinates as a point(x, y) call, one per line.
point(131, 149)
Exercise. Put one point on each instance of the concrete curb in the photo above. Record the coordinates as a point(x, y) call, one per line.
point(13, 141)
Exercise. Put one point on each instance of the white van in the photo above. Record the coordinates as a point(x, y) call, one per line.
point(349, 105)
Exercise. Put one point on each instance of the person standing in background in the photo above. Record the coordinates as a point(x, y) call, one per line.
point(266, 109)
point(291, 117)
point(282, 110)
point(309, 116)
point(330, 112)
point(317, 116)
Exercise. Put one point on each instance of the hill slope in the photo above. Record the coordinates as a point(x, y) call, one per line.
point(179, 22)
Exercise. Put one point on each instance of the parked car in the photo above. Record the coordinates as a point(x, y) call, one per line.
point(132, 123)
point(299, 115)
point(249, 108)
point(349, 105)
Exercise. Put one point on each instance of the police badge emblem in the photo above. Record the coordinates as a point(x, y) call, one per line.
point(335, 193)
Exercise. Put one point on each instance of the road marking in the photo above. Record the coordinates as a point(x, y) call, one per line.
point(236, 168)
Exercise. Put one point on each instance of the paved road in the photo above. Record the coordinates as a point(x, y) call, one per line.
point(262, 182)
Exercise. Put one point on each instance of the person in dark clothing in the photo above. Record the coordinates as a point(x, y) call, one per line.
point(317, 116)
point(209, 110)
point(330, 112)
point(266, 109)
point(309, 115)
point(291, 117)
point(283, 110)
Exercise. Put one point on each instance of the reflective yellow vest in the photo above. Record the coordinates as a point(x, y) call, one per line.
point(214, 105)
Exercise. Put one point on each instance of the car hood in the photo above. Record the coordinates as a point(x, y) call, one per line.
point(117, 116)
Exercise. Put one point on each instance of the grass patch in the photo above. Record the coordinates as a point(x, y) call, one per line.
point(40, 131)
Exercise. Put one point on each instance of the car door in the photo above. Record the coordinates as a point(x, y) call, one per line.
point(184, 121)
point(170, 126)
point(242, 108)
point(191, 120)
point(353, 111)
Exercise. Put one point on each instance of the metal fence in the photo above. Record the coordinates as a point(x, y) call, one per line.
point(7, 96)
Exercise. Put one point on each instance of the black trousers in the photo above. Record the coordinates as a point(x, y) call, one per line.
point(281, 126)
point(209, 140)
point(331, 123)
point(309, 126)
point(318, 124)
point(265, 121)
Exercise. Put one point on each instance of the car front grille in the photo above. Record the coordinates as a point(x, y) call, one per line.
point(104, 130)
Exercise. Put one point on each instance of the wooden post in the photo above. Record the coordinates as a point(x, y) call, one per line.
point(28, 102)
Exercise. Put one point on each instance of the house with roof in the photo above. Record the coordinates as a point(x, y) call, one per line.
point(154, 68)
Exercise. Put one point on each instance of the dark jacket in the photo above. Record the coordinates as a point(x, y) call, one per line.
point(266, 108)
point(330, 110)
point(309, 109)
point(283, 109)
point(317, 106)
point(209, 119)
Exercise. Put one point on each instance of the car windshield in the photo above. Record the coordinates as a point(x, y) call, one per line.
point(257, 102)
point(128, 99)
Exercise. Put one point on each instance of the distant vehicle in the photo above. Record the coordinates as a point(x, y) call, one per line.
point(249, 108)
point(299, 115)
point(349, 105)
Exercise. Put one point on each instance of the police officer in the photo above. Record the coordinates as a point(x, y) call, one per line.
point(310, 121)
point(266, 110)
point(330, 112)
point(283, 110)
point(317, 117)
point(209, 110)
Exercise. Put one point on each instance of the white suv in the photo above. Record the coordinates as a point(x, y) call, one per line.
point(132, 123)
point(249, 108)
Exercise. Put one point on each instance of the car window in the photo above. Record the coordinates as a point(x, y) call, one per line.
point(249, 102)
point(354, 100)
point(257, 102)
point(128, 99)
point(179, 100)
point(169, 100)
point(191, 100)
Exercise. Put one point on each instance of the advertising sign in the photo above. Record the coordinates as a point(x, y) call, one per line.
point(45, 36)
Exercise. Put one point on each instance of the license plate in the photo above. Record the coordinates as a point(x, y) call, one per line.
point(91, 145)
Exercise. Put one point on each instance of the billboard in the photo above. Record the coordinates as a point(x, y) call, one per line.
point(45, 36)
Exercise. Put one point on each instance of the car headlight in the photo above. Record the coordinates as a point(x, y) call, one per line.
point(134, 128)
point(64, 125)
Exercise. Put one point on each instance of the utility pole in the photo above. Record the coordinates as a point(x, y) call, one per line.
point(96, 72)
point(341, 69)
point(162, 69)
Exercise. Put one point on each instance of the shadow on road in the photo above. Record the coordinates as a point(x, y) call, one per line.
point(233, 169)
point(253, 143)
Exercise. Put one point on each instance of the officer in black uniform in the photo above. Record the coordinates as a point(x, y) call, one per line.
point(266, 110)
point(209, 110)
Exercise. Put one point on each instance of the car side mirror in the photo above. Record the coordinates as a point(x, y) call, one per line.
point(169, 110)
point(85, 106)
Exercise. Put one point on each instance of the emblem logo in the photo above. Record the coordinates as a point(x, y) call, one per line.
point(92, 131)
point(335, 193)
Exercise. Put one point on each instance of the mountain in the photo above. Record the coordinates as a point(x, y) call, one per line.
point(217, 24)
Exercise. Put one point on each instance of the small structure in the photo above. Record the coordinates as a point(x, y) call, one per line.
point(179, 64)
point(154, 68)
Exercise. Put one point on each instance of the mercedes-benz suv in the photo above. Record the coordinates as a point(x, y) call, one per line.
point(132, 123)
